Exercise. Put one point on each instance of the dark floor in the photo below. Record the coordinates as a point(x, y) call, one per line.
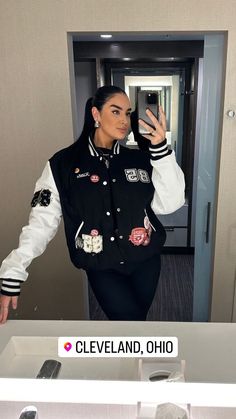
point(173, 300)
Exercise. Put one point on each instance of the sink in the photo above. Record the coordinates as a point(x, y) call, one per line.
point(23, 357)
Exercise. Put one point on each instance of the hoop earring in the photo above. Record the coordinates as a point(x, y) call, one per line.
point(96, 124)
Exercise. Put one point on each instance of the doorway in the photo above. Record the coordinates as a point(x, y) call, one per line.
point(97, 63)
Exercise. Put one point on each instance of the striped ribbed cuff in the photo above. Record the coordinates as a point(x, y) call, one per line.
point(10, 287)
point(158, 151)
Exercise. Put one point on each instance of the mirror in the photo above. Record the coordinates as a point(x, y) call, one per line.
point(172, 71)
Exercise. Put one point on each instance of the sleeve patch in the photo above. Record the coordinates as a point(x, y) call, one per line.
point(42, 198)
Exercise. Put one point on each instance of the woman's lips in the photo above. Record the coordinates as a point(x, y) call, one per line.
point(122, 130)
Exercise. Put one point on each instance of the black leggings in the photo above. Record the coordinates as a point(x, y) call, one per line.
point(126, 296)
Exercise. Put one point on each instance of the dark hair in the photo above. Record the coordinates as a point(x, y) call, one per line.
point(102, 95)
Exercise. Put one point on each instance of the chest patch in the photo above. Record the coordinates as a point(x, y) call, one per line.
point(94, 178)
point(81, 175)
point(136, 175)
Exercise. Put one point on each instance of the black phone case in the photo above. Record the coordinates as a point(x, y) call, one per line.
point(143, 104)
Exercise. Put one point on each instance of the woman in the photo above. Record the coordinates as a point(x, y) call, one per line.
point(109, 197)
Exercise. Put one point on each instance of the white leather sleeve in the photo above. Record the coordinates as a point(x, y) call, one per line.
point(168, 180)
point(42, 227)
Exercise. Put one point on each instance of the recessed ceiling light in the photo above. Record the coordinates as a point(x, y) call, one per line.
point(106, 36)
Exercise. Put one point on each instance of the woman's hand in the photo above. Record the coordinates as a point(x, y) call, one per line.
point(5, 302)
point(158, 133)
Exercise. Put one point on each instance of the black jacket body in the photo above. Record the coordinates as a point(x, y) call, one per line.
point(110, 204)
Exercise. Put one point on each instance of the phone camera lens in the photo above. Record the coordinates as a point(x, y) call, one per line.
point(151, 98)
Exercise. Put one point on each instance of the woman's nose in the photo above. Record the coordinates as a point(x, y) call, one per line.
point(125, 120)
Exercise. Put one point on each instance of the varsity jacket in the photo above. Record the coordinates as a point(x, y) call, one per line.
point(109, 207)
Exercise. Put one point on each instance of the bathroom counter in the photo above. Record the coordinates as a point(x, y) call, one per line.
point(207, 348)
point(109, 388)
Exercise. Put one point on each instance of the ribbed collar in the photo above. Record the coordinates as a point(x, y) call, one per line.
point(95, 152)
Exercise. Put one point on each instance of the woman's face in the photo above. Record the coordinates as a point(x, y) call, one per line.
point(114, 118)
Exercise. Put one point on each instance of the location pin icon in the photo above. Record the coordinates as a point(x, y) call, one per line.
point(67, 346)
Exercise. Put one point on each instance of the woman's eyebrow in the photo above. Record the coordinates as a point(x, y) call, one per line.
point(118, 107)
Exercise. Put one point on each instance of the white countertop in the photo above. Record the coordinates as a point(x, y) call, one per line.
point(207, 348)
point(110, 391)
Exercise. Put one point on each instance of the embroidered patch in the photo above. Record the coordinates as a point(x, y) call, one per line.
point(131, 175)
point(77, 170)
point(138, 236)
point(143, 176)
point(42, 198)
point(81, 175)
point(141, 235)
point(92, 244)
point(94, 178)
point(94, 232)
point(134, 175)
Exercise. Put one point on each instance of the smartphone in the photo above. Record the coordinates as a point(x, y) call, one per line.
point(147, 99)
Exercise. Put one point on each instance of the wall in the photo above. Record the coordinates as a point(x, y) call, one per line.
point(36, 117)
point(85, 84)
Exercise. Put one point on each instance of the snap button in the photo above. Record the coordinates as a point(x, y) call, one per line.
point(121, 237)
point(104, 183)
point(122, 262)
point(113, 180)
point(118, 209)
point(112, 238)
point(108, 213)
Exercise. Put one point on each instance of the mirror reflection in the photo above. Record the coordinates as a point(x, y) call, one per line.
point(175, 80)
point(176, 72)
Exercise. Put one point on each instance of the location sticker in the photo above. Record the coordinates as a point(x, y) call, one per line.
point(67, 346)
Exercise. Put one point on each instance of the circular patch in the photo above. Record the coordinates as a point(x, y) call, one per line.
point(138, 236)
point(77, 170)
point(94, 178)
point(94, 232)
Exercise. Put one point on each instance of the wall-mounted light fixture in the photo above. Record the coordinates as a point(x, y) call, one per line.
point(105, 36)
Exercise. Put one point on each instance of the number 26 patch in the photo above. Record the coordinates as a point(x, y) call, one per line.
point(134, 175)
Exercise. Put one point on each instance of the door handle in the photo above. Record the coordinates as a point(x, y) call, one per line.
point(208, 221)
point(169, 229)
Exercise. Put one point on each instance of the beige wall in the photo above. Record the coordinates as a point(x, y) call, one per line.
point(36, 118)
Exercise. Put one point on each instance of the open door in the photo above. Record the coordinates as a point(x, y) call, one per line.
point(209, 114)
